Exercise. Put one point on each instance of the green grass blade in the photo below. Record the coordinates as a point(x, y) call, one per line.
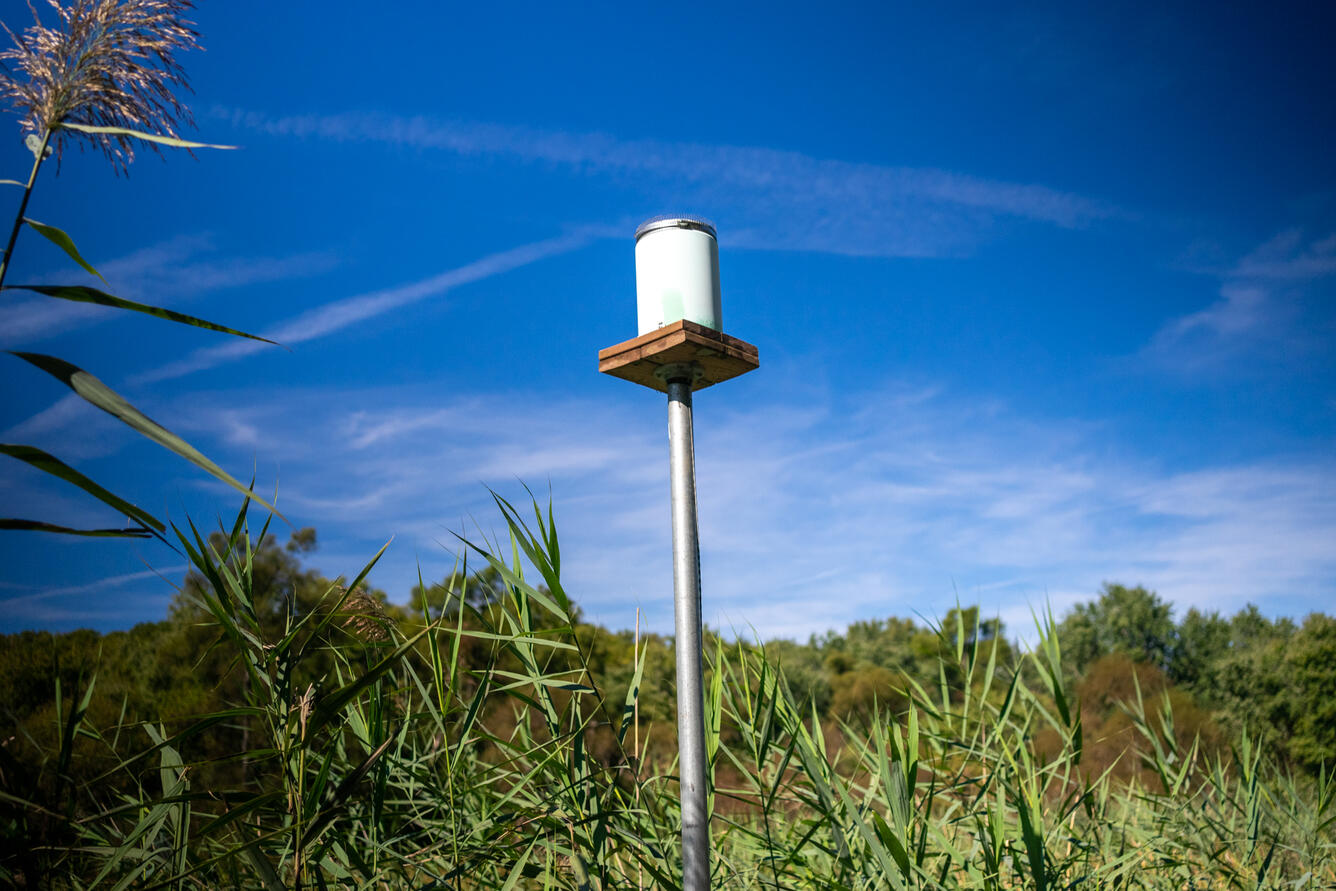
point(102, 396)
point(18, 525)
point(262, 867)
point(632, 696)
point(83, 294)
point(61, 240)
point(54, 466)
point(329, 707)
point(339, 799)
point(173, 141)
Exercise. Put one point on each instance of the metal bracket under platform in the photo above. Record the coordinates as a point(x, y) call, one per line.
point(717, 357)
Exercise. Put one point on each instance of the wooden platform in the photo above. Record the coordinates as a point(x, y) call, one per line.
point(717, 355)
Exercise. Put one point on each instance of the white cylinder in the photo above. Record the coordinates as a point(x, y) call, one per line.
point(677, 273)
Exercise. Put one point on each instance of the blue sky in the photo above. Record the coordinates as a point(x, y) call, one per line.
point(1044, 297)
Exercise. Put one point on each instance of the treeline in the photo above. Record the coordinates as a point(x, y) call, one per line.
point(1274, 679)
point(282, 729)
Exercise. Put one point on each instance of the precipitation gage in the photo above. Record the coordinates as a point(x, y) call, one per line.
point(681, 348)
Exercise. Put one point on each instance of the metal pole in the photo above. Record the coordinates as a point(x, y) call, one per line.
point(686, 600)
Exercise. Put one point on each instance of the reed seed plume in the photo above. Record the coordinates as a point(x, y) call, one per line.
point(364, 616)
point(110, 63)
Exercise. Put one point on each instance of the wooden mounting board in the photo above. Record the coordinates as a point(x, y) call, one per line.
point(718, 355)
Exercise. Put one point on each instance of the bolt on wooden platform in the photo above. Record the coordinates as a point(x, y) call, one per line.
point(716, 356)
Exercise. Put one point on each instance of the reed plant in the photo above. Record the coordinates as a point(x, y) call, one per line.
point(408, 765)
point(105, 75)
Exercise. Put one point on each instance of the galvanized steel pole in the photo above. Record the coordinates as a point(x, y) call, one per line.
point(682, 348)
point(686, 600)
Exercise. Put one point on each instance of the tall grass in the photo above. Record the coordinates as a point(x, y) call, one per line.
point(409, 765)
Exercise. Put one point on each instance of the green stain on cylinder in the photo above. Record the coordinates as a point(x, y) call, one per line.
point(672, 306)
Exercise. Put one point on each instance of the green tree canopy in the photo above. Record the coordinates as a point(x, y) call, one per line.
point(1131, 621)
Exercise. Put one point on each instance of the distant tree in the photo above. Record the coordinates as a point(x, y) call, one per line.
point(871, 665)
point(283, 589)
point(302, 541)
point(1109, 685)
point(1204, 639)
point(1131, 621)
point(886, 643)
point(1247, 682)
point(1310, 670)
point(963, 629)
point(1272, 678)
point(858, 694)
point(861, 670)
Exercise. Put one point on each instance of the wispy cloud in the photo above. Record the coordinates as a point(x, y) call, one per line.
point(95, 601)
point(176, 270)
point(1239, 312)
point(1260, 298)
point(54, 417)
point(814, 511)
point(1287, 257)
point(875, 503)
point(98, 433)
point(339, 314)
point(101, 585)
point(767, 198)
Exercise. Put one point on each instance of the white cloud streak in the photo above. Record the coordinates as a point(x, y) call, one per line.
point(1286, 258)
point(166, 274)
point(101, 585)
point(1259, 299)
point(768, 198)
point(809, 518)
point(54, 417)
point(1240, 310)
point(814, 512)
point(331, 317)
point(94, 601)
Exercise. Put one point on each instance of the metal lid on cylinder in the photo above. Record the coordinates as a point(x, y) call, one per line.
point(677, 273)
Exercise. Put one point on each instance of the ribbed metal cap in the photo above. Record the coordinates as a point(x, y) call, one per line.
point(676, 221)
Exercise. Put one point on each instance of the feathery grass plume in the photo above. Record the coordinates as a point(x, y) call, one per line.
point(364, 616)
point(111, 63)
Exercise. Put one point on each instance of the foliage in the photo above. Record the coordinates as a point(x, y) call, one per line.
point(498, 743)
point(1274, 679)
point(1132, 621)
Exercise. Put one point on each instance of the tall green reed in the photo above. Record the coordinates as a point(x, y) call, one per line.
point(476, 747)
